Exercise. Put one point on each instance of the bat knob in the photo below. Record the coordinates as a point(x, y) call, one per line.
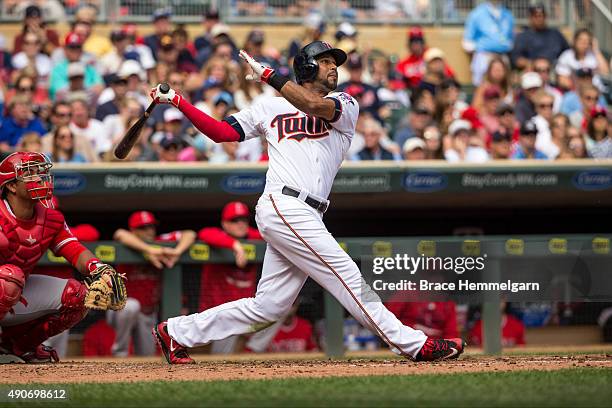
point(164, 88)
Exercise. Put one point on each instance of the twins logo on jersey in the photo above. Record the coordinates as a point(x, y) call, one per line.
point(298, 126)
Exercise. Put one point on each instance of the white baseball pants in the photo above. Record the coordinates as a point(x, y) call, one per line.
point(299, 246)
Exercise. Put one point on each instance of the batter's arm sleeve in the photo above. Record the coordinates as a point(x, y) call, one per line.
point(217, 131)
point(216, 237)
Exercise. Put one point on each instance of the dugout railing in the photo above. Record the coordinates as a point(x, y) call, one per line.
point(575, 251)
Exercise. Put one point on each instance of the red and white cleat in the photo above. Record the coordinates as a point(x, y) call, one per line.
point(174, 352)
point(441, 349)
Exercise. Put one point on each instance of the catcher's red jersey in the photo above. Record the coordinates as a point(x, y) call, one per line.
point(24, 242)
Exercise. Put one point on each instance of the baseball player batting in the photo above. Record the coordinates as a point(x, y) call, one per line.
point(309, 130)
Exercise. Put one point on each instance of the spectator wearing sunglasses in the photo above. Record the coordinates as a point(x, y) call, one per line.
point(64, 147)
point(32, 56)
point(543, 120)
point(572, 101)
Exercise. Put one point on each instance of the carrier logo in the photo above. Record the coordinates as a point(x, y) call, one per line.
point(298, 126)
point(425, 181)
point(68, 183)
point(593, 180)
point(244, 183)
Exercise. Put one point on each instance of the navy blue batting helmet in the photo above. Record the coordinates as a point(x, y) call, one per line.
point(305, 64)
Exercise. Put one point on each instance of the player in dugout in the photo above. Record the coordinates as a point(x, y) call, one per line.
point(221, 283)
point(143, 281)
point(36, 307)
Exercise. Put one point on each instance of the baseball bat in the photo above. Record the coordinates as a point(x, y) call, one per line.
point(131, 136)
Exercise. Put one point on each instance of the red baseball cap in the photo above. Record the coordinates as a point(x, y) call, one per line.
point(73, 40)
point(599, 111)
point(415, 33)
point(141, 219)
point(471, 115)
point(235, 209)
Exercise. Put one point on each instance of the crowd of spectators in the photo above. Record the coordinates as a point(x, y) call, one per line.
point(534, 94)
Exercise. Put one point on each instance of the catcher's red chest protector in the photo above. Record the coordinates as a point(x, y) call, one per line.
point(27, 240)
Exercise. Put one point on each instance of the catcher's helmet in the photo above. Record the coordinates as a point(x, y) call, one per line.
point(305, 64)
point(33, 169)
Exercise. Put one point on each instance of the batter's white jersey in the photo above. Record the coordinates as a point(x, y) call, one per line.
point(305, 151)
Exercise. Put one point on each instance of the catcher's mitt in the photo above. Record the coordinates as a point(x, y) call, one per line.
point(106, 289)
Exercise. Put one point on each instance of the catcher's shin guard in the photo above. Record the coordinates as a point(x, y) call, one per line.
point(28, 336)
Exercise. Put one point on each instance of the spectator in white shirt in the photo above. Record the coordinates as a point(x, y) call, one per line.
point(31, 56)
point(584, 54)
point(92, 129)
point(112, 60)
point(464, 146)
point(544, 103)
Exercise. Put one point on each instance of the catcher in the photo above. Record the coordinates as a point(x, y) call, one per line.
point(34, 308)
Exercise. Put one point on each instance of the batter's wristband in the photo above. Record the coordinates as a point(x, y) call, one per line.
point(277, 81)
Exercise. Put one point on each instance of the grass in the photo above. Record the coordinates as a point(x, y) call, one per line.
point(568, 387)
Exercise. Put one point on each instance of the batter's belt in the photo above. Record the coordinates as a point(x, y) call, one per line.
point(310, 200)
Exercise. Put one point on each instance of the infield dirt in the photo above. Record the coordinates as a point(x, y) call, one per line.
point(278, 367)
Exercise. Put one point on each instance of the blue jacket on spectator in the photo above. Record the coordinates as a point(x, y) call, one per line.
point(571, 102)
point(531, 44)
point(11, 132)
point(381, 154)
point(403, 134)
point(487, 32)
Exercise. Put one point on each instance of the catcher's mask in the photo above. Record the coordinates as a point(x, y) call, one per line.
point(31, 168)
